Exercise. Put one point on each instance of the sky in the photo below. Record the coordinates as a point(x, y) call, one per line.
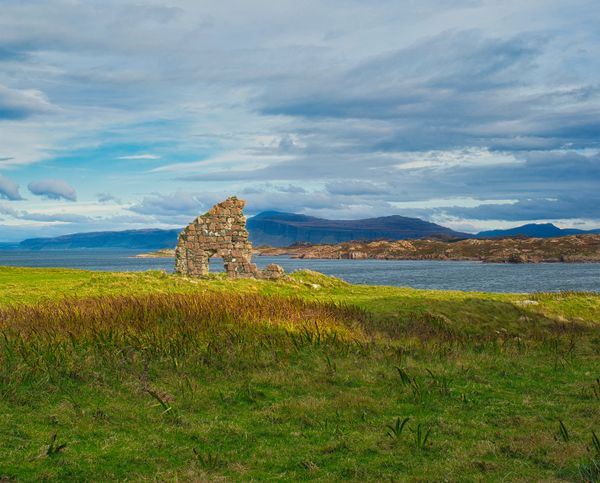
point(473, 114)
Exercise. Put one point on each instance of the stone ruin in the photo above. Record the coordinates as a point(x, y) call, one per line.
point(221, 232)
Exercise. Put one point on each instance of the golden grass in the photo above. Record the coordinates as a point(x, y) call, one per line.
point(57, 333)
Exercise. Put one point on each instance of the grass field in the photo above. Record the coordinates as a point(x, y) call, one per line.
point(145, 376)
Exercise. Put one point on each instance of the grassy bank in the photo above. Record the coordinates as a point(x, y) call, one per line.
point(154, 377)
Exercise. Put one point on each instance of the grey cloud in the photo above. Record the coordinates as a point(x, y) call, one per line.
point(9, 190)
point(539, 174)
point(153, 13)
point(181, 207)
point(18, 104)
point(355, 187)
point(271, 187)
point(8, 210)
point(534, 209)
point(179, 203)
point(545, 185)
point(290, 188)
point(53, 189)
point(417, 80)
point(455, 89)
point(318, 203)
point(107, 198)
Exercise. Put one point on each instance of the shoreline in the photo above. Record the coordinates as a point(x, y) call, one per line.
point(150, 255)
point(569, 249)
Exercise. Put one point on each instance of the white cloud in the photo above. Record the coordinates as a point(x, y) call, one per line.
point(140, 156)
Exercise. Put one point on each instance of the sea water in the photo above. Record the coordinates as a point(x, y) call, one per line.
point(426, 274)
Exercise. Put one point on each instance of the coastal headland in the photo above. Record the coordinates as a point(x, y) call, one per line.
point(567, 249)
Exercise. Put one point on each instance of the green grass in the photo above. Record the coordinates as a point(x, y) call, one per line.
point(153, 377)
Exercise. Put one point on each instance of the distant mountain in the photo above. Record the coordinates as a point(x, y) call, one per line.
point(282, 229)
point(149, 239)
point(267, 228)
point(535, 230)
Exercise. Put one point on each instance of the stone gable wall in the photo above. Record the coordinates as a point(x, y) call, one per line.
point(221, 232)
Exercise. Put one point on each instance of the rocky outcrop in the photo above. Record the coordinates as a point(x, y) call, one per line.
point(273, 271)
point(221, 232)
point(577, 248)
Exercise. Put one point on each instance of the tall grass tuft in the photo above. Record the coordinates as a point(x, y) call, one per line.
point(63, 336)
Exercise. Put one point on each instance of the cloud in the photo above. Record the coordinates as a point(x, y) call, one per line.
point(9, 190)
point(140, 156)
point(43, 217)
point(16, 104)
point(8, 210)
point(107, 198)
point(270, 188)
point(355, 188)
point(574, 207)
point(182, 207)
point(54, 217)
point(457, 88)
point(179, 203)
point(53, 189)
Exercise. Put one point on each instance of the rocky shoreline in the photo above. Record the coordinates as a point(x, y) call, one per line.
point(568, 249)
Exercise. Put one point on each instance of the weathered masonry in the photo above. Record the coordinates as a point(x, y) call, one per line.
point(221, 232)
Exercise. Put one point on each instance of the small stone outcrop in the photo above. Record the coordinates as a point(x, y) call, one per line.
point(273, 272)
point(221, 232)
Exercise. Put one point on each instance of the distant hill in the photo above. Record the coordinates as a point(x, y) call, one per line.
point(535, 230)
point(149, 239)
point(267, 228)
point(282, 229)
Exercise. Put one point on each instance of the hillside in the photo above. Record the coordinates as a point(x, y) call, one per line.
point(149, 239)
point(282, 229)
point(267, 228)
point(575, 248)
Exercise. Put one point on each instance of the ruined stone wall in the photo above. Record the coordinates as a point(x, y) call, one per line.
point(221, 232)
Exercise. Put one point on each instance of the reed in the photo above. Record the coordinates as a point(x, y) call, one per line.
point(65, 336)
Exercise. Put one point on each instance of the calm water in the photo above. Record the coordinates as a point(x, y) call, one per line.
point(418, 274)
